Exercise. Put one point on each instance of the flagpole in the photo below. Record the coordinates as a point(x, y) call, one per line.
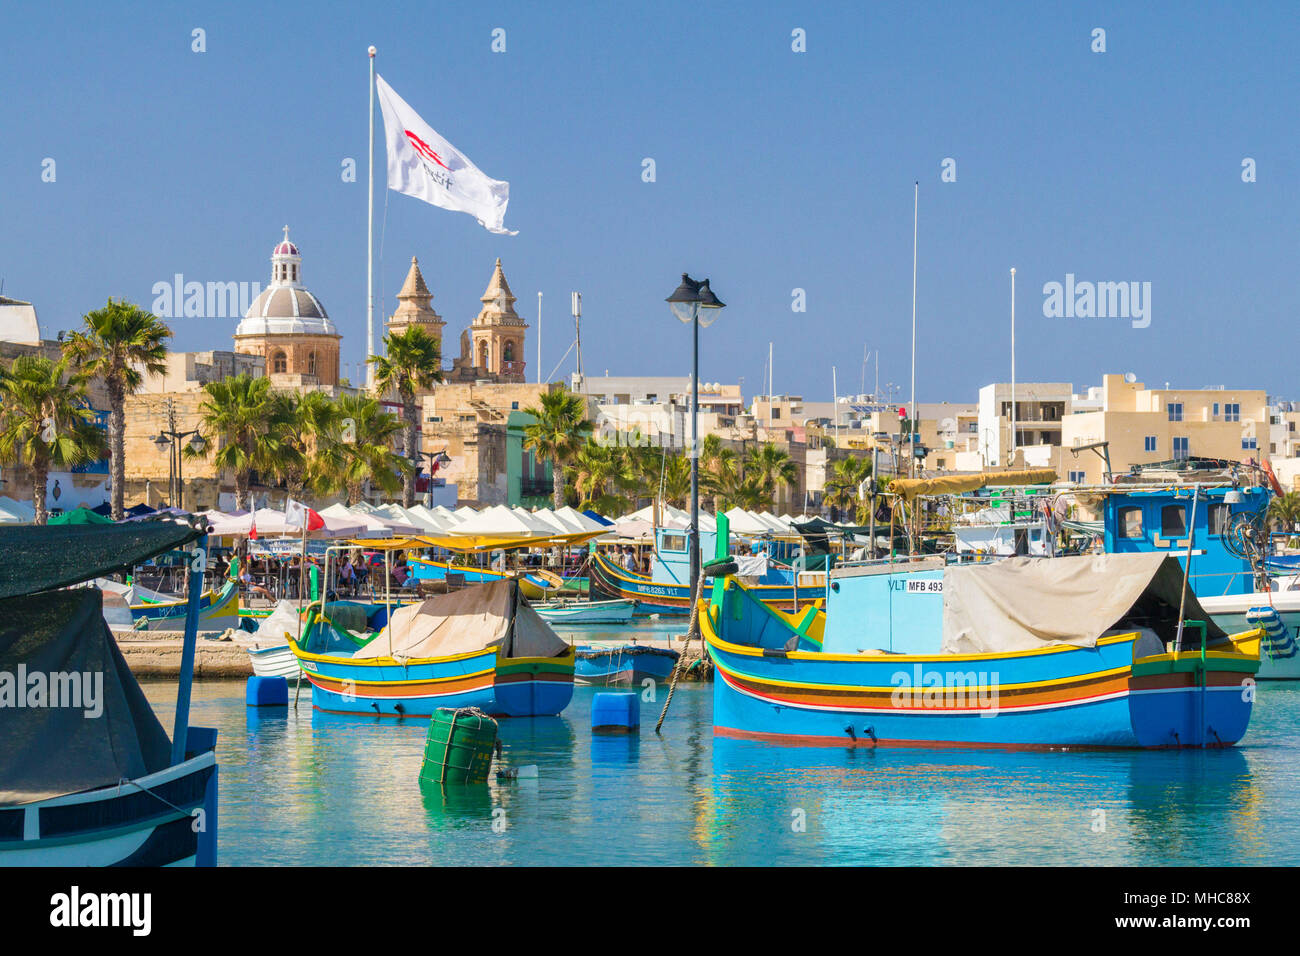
point(916, 205)
point(370, 235)
point(539, 338)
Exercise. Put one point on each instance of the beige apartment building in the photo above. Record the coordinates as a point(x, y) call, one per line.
point(1144, 425)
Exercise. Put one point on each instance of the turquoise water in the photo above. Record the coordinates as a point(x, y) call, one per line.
point(311, 788)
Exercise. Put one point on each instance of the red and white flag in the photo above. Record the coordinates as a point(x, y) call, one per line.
point(299, 515)
point(424, 165)
point(252, 527)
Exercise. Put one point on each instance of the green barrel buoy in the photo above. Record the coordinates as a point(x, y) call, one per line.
point(459, 745)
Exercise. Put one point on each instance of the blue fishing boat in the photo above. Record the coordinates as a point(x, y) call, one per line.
point(482, 647)
point(623, 664)
point(1026, 652)
point(90, 777)
point(1225, 533)
point(667, 589)
point(586, 612)
point(536, 584)
point(218, 610)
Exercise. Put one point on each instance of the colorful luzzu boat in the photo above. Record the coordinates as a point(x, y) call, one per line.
point(217, 610)
point(478, 647)
point(537, 584)
point(1034, 653)
point(657, 596)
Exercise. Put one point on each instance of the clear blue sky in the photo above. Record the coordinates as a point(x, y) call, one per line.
point(775, 171)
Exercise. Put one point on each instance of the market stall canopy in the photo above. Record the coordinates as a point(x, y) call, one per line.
point(371, 526)
point(21, 510)
point(909, 488)
point(79, 516)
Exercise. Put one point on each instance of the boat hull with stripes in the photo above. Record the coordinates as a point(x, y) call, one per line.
point(1059, 696)
point(1278, 660)
point(587, 612)
point(535, 585)
point(508, 687)
point(218, 610)
point(149, 821)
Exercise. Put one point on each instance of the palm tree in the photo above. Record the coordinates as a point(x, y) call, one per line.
point(716, 464)
point(119, 343)
point(677, 480)
point(1284, 512)
point(412, 362)
point(595, 467)
point(251, 426)
point(774, 468)
point(842, 484)
point(357, 447)
point(313, 414)
point(558, 432)
point(45, 421)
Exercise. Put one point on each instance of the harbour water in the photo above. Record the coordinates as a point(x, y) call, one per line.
point(305, 788)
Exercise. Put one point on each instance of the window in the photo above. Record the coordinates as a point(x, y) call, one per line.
point(1173, 521)
point(279, 363)
point(674, 542)
point(1249, 444)
point(1216, 410)
point(1130, 522)
point(311, 363)
point(1181, 451)
point(1149, 443)
point(1175, 411)
point(1217, 520)
point(509, 353)
point(1232, 412)
point(1078, 477)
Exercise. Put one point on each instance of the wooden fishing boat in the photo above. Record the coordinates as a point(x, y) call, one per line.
point(218, 610)
point(538, 584)
point(623, 664)
point(669, 597)
point(928, 655)
point(586, 612)
point(482, 647)
point(112, 790)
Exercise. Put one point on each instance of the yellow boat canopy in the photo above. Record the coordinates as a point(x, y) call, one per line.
point(472, 543)
point(909, 488)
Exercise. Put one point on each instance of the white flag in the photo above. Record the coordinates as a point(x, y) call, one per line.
point(424, 165)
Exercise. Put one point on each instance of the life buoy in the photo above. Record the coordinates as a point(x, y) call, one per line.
point(1272, 478)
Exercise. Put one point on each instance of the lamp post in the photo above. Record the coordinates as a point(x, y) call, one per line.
point(437, 460)
point(686, 302)
point(171, 438)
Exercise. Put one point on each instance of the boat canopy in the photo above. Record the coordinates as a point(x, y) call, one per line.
point(38, 558)
point(465, 621)
point(72, 716)
point(1020, 604)
point(909, 488)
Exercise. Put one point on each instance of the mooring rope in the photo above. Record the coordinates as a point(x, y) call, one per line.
point(677, 668)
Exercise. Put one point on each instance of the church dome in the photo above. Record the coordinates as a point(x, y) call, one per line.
point(286, 306)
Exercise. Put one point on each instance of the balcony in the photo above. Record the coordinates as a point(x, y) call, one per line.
point(513, 368)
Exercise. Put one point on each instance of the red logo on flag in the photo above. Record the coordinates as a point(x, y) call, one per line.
point(424, 149)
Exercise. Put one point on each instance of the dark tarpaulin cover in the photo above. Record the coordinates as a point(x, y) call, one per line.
point(54, 750)
point(35, 558)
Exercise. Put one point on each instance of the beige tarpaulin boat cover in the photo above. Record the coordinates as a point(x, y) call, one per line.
point(909, 488)
point(465, 621)
point(1027, 603)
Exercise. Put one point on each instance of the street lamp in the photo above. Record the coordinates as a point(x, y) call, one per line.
point(171, 439)
point(437, 460)
point(686, 302)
